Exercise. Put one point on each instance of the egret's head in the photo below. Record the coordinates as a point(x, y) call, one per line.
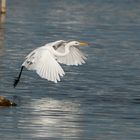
point(77, 43)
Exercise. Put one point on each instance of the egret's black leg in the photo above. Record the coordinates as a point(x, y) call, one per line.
point(18, 78)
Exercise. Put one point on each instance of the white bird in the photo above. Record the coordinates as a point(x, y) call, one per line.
point(45, 60)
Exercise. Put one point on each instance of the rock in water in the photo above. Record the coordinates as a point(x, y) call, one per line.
point(6, 102)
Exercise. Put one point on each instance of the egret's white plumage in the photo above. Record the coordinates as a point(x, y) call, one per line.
point(45, 60)
point(74, 57)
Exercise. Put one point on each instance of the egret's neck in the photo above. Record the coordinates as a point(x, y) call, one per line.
point(66, 51)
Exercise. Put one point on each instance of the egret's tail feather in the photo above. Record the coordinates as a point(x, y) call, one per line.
point(18, 78)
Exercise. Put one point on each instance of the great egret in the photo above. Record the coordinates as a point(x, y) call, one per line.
point(45, 60)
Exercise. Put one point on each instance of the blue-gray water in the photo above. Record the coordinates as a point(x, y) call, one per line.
point(99, 100)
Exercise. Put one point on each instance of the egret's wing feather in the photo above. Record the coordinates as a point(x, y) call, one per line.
point(32, 59)
point(75, 56)
point(45, 65)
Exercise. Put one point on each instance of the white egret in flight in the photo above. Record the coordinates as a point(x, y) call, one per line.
point(45, 60)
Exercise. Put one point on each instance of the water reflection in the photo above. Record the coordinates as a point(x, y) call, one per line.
point(57, 118)
point(2, 21)
point(2, 49)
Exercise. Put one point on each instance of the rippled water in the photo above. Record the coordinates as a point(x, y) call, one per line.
point(98, 100)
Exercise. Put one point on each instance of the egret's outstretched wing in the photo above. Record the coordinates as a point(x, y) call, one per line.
point(44, 63)
point(75, 56)
point(32, 59)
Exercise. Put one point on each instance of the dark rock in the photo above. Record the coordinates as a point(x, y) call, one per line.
point(6, 102)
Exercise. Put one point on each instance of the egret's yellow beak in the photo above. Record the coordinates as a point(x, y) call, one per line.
point(84, 44)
